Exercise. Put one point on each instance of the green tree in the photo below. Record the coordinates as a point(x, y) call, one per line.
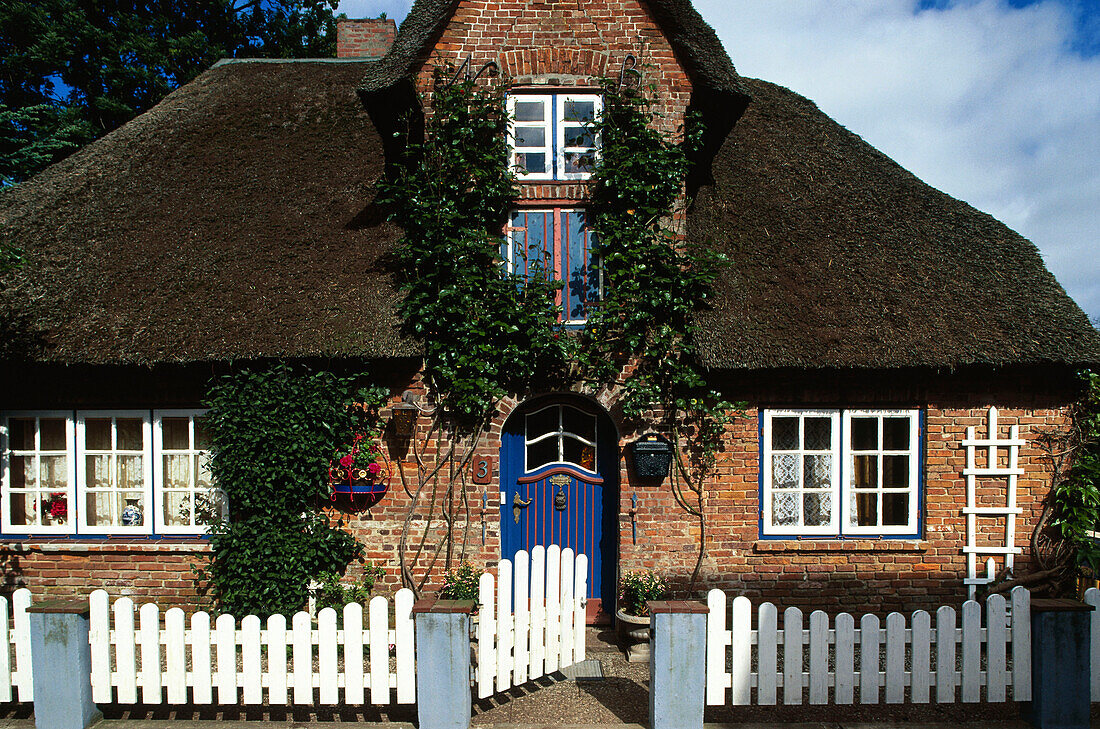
point(74, 70)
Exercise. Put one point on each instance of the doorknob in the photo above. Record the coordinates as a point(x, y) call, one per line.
point(519, 505)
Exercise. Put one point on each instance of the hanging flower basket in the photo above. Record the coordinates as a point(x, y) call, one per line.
point(360, 482)
point(358, 474)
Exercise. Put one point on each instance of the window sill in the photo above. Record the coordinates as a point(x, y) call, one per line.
point(79, 545)
point(841, 545)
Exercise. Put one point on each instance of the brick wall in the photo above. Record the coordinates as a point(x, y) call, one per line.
point(364, 38)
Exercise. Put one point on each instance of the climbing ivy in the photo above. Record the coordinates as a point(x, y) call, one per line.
point(485, 334)
point(1076, 497)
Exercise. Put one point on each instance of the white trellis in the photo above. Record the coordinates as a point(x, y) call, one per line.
point(991, 470)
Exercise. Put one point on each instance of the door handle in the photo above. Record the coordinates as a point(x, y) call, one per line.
point(519, 505)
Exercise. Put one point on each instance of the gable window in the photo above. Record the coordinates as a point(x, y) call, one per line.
point(106, 472)
point(556, 244)
point(552, 136)
point(559, 434)
point(834, 473)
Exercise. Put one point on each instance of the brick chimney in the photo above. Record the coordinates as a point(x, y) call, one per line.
point(364, 38)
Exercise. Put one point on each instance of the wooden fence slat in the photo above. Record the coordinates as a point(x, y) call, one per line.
point(202, 684)
point(868, 659)
point(21, 623)
point(1092, 597)
point(553, 607)
point(767, 628)
point(565, 639)
point(971, 652)
point(5, 654)
point(921, 665)
point(251, 650)
point(225, 642)
point(819, 657)
point(1021, 645)
point(125, 650)
point(405, 646)
point(99, 637)
point(175, 655)
point(329, 688)
point(149, 635)
point(522, 660)
point(302, 654)
point(486, 633)
point(504, 625)
point(996, 622)
point(741, 651)
point(354, 684)
point(580, 617)
point(716, 648)
point(845, 670)
point(379, 634)
point(946, 676)
point(277, 694)
point(792, 656)
point(538, 611)
point(895, 658)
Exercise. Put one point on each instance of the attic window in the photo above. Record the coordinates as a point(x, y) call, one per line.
point(552, 136)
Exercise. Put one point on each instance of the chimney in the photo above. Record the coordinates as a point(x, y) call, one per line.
point(364, 38)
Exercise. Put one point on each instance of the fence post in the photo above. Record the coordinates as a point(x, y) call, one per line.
point(443, 698)
point(1060, 652)
point(61, 665)
point(678, 664)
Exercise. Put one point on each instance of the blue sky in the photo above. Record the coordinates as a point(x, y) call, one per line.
point(996, 102)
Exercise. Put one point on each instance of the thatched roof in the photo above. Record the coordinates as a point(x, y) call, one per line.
point(235, 220)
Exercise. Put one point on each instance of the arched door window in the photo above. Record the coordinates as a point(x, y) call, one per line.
point(560, 434)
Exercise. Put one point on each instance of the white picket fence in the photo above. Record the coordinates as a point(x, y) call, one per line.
point(16, 682)
point(542, 629)
point(153, 661)
point(919, 658)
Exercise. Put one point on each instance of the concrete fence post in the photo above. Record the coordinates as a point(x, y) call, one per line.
point(677, 664)
point(61, 665)
point(1060, 666)
point(443, 695)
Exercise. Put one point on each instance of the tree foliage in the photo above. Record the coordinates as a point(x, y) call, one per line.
point(73, 70)
point(273, 431)
point(1076, 497)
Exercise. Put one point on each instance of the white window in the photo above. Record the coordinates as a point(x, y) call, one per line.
point(106, 472)
point(830, 473)
point(552, 135)
point(38, 473)
point(187, 501)
point(559, 434)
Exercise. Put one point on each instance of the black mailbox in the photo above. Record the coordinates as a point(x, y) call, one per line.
point(652, 456)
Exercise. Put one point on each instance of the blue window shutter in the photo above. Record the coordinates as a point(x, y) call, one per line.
point(582, 276)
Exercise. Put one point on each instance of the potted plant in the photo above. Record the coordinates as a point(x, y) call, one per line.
point(330, 591)
point(636, 588)
point(55, 509)
point(359, 469)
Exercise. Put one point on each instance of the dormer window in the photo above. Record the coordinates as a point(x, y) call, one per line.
point(552, 135)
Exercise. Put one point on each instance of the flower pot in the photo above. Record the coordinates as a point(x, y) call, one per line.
point(362, 487)
point(633, 631)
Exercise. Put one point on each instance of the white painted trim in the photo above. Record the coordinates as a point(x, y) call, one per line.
point(830, 529)
point(147, 468)
point(159, 490)
point(5, 472)
point(559, 122)
point(548, 125)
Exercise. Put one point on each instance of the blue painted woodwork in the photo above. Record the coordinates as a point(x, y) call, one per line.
point(587, 524)
point(555, 244)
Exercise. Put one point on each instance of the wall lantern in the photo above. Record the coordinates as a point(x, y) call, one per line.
point(404, 414)
point(652, 456)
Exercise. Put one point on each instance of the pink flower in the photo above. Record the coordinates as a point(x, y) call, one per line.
point(374, 469)
point(347, 461)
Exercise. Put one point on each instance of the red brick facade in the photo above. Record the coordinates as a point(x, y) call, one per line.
point(364, 38)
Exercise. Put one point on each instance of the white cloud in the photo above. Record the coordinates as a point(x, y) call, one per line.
point(984, 101)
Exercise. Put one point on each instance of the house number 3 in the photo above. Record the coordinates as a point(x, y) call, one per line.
point(483, 470)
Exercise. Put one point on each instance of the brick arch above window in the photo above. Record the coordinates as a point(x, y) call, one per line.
point(545, 64)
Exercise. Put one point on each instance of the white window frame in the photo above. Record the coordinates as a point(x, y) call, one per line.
point(69, 527)
point(843, 473)
point(559, 121)
point(832, 527)
point(913, 452)
point(159, 482)
point(147, 468)
point(559, 434)
point(548, 124)
point(554, 126)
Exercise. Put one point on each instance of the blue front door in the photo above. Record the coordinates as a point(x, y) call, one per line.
point(559, 478)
